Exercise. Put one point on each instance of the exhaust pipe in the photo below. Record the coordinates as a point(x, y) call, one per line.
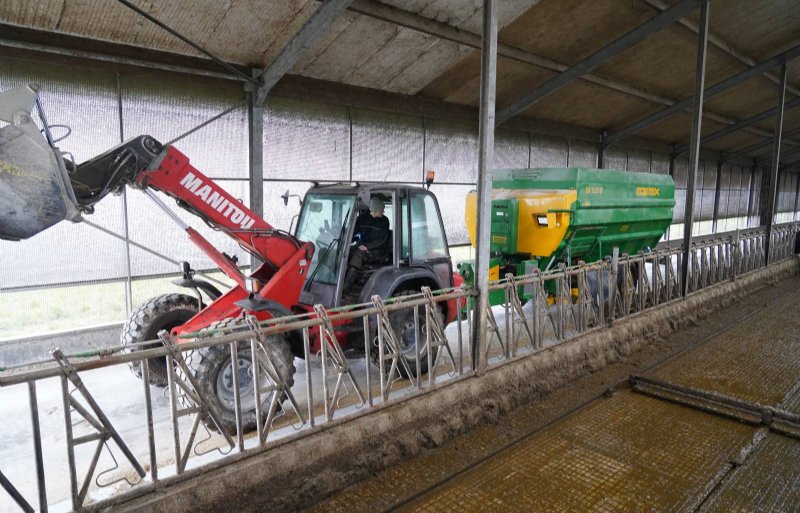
point(35, 189)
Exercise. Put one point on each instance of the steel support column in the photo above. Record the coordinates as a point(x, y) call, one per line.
point(796, 195)
point(255, 134)
point(716, 197)
point(485, 169)
point(601, 150)
point(125, 225)
point(751, 197)
point(694, 148)
point(776, 158)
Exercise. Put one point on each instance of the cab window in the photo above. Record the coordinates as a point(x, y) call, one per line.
point(427, 235)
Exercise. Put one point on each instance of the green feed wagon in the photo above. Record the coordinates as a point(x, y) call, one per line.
point(543, 217)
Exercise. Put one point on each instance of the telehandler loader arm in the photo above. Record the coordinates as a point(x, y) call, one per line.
point(37, 190)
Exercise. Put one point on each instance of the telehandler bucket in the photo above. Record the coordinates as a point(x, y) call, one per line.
point(35, 190)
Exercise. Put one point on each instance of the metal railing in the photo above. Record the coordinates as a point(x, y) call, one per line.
point(565, 303)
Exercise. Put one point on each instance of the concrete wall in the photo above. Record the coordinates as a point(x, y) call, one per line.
point(20, 350)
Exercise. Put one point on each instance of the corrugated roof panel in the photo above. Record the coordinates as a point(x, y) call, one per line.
point(570, 30)
point(677, 128)
point(396, 55)
point(746, 99)
point(464, 14)
point(283, 30)
point(666, 63)
point(363, 51)
point(112, 21)
point(465, 70)
point(350, 50)
point(759, 29)
point(586, 104)
point(245, 29)
point(733, 142)
point(427, 66)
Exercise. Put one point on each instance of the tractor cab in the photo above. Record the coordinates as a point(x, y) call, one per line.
point(413, 255)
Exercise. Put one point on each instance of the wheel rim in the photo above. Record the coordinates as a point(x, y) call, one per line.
point(407, 342)
point(225, 388)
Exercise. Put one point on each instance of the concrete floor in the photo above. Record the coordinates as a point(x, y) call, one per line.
point(628, 451)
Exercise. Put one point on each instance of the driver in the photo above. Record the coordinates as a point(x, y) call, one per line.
point(372, 235)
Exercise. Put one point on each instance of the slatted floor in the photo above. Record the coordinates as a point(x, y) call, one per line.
point(633, 452)
point(626, 453)
point(758, 360)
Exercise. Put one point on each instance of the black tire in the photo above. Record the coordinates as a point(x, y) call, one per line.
point(402, 322)
point(213, 370)
point(160, 313)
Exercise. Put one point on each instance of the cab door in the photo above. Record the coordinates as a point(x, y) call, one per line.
point(424, 242)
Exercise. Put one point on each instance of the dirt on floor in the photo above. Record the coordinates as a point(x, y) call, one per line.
point(604, 374)
point(439, 433)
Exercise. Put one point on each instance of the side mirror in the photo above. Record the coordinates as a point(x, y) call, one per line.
point(286, 195)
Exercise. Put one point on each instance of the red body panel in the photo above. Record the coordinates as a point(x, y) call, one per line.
point(177, 178)
point(452, 311)
point(282, 286)
point(286, 259)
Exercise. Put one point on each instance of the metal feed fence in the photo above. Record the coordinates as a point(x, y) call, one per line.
point(111, 458)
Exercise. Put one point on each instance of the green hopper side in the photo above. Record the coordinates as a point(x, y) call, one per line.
point(542, 217)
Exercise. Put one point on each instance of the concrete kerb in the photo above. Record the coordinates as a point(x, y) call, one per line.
point(21, 350)
point(299, 473)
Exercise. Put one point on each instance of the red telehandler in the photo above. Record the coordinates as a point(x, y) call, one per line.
point(39, 188)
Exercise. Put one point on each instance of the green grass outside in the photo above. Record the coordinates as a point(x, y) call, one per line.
point(34, 312)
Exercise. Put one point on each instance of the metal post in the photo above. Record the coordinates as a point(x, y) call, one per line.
point(601, 151)
point(37, 447)
point(694, 146)
point(128, 272)
point(148, 410)
point(17, 497)
point(237, 393)
point(73, 477)
point(717, 194)
point(309, 388)
point(424, 150)
point(530, 147)
point(672, 155)
point(485, 167)
point(255, 132)
point(350, 144)
point(796, 195)
point(751, 197)
point(776, 157)
point(612, 285)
